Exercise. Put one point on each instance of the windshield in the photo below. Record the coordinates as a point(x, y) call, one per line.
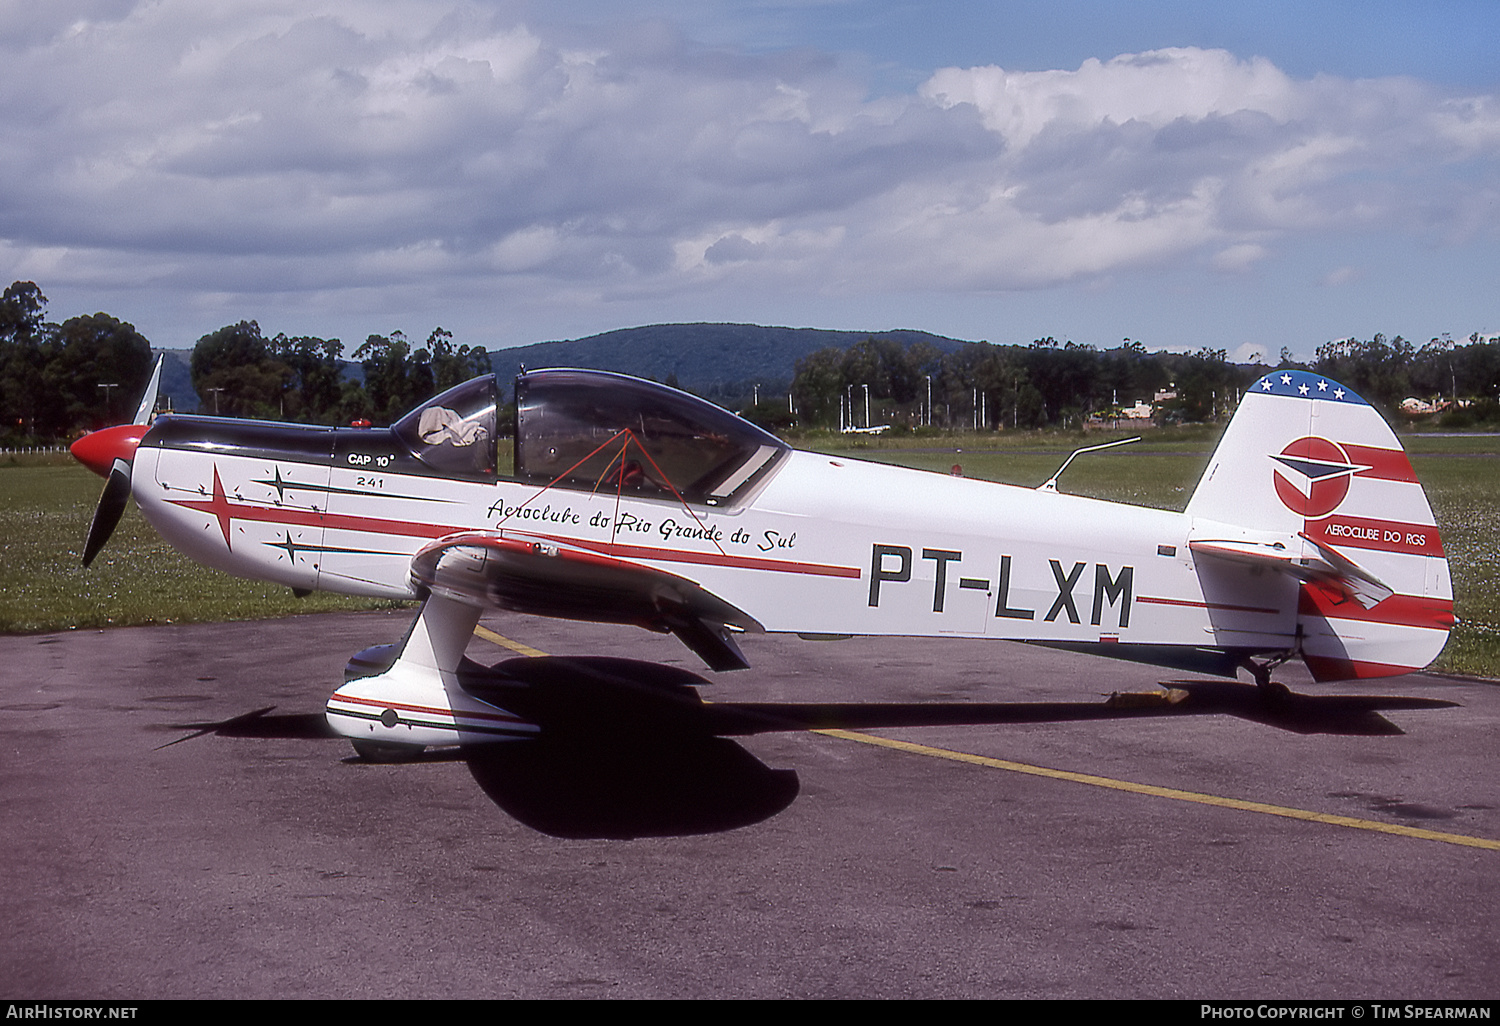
point(455, 432)
point(608, 432)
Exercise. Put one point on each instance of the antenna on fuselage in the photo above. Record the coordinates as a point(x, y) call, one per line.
point(1051, 485)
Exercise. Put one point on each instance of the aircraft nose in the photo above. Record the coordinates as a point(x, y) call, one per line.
point(98, 450)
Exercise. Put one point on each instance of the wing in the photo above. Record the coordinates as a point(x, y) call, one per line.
point(485, 568)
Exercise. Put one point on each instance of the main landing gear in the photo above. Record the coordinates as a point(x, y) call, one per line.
point(1270, 690)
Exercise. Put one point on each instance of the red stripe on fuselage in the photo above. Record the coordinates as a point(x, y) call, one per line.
point(1205, 605)
point(225, 510)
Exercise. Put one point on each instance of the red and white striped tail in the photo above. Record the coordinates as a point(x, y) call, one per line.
point(1308, 457)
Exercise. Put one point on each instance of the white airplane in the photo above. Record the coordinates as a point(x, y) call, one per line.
point(1308, 537)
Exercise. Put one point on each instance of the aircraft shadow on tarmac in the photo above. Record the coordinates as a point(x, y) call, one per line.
point(629, 749)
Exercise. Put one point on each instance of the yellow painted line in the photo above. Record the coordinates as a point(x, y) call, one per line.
point(1152, 790)
point(1166, 792)
point(504, 642)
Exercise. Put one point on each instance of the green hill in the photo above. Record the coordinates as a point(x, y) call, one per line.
point(718, 361)
point(723, 362)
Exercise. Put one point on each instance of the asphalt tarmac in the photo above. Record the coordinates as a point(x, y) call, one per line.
point(176, 823)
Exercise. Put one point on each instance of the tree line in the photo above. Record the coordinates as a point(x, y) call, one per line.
point(1051, 385)
point(60, 380)
point(987, 387)
point(305, 379)
point(1443, 370)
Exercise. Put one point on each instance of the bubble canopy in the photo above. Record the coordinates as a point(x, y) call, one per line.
point(610, 433)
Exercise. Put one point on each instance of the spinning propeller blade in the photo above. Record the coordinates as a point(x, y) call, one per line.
point(109, 453)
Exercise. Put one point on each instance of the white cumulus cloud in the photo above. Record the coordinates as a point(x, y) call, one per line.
point(331, 147)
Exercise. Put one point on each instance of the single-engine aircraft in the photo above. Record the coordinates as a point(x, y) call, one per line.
point(1308, 537)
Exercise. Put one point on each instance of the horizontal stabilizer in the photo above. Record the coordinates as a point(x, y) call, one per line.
point(1324, 565)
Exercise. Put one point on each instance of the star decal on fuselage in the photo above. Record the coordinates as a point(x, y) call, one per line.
point(218, 506)
point(225, 510)
point(283, 485)
point(294, 548)
point(289, 545)
point(278, 484)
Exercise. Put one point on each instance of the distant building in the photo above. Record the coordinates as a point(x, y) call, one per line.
point(1414, 407)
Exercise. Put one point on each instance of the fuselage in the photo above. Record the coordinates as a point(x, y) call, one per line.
point(630, 502)
point(821, 546)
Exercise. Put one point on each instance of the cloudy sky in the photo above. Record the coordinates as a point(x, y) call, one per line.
point(1178, 172)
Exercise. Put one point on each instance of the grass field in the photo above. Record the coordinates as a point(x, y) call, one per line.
point(46, 504)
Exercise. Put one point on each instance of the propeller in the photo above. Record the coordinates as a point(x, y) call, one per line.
point(110, 453)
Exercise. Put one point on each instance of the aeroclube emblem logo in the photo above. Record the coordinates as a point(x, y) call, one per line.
point(1312, 476)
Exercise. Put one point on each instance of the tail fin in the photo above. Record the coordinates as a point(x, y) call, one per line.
point(1306, 457)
